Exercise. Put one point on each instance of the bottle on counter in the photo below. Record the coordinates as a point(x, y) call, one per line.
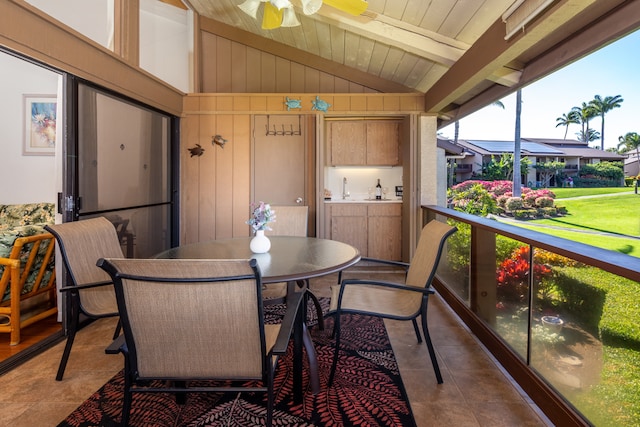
point(378, 190)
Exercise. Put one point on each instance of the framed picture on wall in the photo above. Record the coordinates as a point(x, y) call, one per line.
point(40, 125)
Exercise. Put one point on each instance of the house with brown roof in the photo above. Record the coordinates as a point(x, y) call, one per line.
point(574, 154)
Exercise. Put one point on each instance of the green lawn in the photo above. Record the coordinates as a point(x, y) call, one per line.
point(614, 214)
point(618, 214)
point(563, 193)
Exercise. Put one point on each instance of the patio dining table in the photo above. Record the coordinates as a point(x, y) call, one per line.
point(290, 259)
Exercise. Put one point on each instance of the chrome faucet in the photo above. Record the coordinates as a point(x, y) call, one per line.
point(345, 193)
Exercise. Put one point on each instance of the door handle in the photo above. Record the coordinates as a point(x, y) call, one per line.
point(299, 200)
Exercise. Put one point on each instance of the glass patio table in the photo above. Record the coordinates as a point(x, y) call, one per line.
point(290, 259)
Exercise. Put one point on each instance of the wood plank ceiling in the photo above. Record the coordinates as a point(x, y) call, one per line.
point(450, 50)
point(409, 42)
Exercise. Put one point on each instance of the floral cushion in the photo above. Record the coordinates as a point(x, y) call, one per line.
point(12, 216)
point(23, 220)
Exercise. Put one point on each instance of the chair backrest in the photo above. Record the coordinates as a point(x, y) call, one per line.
point(191, 318)
point(82, 244)
point(425, 260)
point(290, 221)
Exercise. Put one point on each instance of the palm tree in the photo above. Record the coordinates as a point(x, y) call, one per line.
point(630, 142)
point(584, 113)
point(591, 135)
point(603, 106)
point(570, 118)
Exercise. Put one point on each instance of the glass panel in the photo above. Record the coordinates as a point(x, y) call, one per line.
point(93, 19)
point(586, 339)
point(123, 153)
point(512, 293)
point(143, 232)
point(574, 324)
point(549, 343)
point(453, 269)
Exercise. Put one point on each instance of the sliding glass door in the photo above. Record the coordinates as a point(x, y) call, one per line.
point(122, 169)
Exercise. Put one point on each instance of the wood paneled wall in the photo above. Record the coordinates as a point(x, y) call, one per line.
point(232, 67)
point(216, 187)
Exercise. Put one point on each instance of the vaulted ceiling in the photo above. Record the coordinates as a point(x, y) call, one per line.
point(462, 54)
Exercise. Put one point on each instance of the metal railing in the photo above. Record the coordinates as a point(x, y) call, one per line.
point(540, 304)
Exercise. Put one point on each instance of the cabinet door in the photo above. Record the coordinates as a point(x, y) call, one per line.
point(349, 225)
point(385, 232)
point(383, 142)
point(347, 142)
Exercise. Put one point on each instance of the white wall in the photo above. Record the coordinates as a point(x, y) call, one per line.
point(166, 47)
point(92, 18)
point(165, 43)
point(359, 179)
point(24, 179)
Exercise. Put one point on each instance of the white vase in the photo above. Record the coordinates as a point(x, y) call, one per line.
point(260, 243)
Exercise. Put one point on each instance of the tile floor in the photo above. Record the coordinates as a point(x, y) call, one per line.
point(475, 391)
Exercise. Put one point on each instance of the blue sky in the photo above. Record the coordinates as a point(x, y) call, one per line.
point(613, 70)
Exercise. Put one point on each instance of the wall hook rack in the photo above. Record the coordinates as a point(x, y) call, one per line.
point(272, 130)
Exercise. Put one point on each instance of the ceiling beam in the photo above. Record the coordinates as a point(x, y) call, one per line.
point(301, 57)
point(176, 3)
point(610, 26)
point(491, 51)
point(409, 38)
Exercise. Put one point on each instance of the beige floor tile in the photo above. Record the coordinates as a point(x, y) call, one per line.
point(475, 392)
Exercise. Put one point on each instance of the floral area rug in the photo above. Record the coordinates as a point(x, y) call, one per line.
point(367, 391)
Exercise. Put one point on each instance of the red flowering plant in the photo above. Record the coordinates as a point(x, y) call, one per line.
point(512, 276)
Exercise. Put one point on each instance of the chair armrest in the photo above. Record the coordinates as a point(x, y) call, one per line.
point(294, 304)
point(119, 345)
point(85, 286)
point(386, 284)
point(10, 262)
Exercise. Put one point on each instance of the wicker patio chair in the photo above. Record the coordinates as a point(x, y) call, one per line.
point(90, 293)
point(189, 320)
point(400, 301)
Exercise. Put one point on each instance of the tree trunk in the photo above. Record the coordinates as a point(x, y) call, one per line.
point(517, 175)
point(602, 134)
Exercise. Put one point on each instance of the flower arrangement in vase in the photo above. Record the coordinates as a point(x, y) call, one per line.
point(262, 215)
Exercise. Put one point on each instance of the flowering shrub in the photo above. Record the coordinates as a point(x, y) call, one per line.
point(529, 198)
point(502, 201)
point(473, 199)
point(544, 202)
point(479, 197)
point(512, 275)
point(514, 203)
point(542, 256)
point(262, 215)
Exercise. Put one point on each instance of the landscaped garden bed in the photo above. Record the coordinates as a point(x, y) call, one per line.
point(496, 198)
